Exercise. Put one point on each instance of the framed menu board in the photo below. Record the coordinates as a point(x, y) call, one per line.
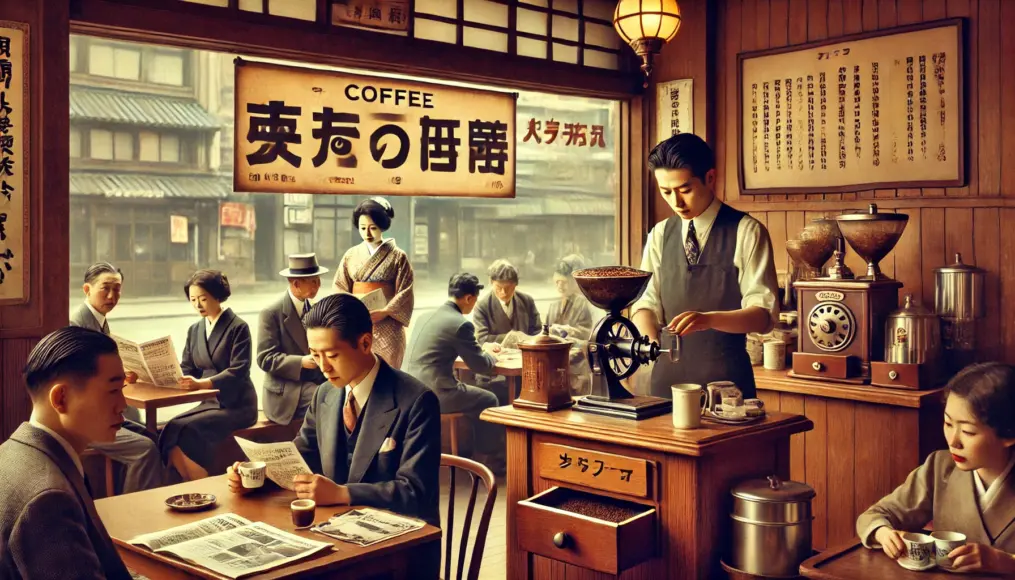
point(868, 111)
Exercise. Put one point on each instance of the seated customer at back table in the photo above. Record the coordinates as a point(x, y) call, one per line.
point(967, 489)
point(48, 524)
point(372, 435)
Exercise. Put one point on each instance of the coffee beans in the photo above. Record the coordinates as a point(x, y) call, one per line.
point(610, 272)
point(600, 508)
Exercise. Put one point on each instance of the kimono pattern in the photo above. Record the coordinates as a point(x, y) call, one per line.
point(389, 266)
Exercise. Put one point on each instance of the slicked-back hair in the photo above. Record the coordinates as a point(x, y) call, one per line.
point(989, 388)
point(683, 151)
point(71, 351)
point(99, 268)
point(379, 213)
point(343, 312)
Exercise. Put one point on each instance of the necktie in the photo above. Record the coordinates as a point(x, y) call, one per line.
point(691, 248)
point(88, 486)
point(349, 413)
point(306, 308)
point(105, 327)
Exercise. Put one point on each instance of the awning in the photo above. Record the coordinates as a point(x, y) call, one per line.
point(143, 186)
point(106, 106)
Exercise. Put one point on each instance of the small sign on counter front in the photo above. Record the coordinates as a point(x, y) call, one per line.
point(594, 469)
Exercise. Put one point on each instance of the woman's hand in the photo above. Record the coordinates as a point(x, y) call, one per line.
point(378, 315)
point(130, 377)
point(981, 558)
point(191, 384)
point(891, 542)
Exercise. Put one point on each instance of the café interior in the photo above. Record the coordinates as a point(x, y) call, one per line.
point(893, 275)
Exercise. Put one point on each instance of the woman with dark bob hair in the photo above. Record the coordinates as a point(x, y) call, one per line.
point(215, 356)
point(375, 264)
point(967, 489)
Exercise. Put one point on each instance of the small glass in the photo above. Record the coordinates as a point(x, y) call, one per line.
point(733, 408)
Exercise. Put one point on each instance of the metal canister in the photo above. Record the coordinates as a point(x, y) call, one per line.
point(912, 334)
point(771, 526)
point(958, 291)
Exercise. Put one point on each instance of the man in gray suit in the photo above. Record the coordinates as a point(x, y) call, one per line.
point(505, 309)
point(48, 524)
point(291, 375)
point(138, 454)
point(440, 337)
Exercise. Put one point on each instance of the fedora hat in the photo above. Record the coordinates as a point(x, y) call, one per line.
point(303, 266)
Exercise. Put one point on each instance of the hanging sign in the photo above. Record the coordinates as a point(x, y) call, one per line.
point(14, 162)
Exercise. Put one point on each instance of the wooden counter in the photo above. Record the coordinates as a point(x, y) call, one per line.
point(683, 477)
point(864, 443)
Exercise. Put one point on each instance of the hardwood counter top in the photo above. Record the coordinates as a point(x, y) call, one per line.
point(656, 433)
point(767, 380)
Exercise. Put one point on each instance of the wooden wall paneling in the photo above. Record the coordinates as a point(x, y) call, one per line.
point(958, 236)
point(852, 16)
point(987, 255)
point(907, 262)
point(932, 244)
point(521, 485)
point(797, 21)
point(727, 75)
point(841, 513)
point(887, 18)
point(874, 478)
point(1007, 99)
point(905, 447)
point(772, 400)
point(1007, 283)
point(16, 404)
point(816, 451)
point(967, 9)
point(795, 221)
point(988, 87)
point(760, 24)
point(797, 443)
point(777, 231)
point(817, 29)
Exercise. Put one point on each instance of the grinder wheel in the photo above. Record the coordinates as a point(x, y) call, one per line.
point(613, 330)
point(831, 326)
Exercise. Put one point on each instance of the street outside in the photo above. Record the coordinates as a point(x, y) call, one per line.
point(142, 319)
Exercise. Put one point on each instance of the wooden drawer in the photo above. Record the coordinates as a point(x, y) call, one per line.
point(595, 543)
point(822, 366)
point(906, 376)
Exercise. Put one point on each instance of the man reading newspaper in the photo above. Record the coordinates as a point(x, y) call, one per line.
point(372, 434)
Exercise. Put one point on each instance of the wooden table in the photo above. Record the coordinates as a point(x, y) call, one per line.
point(509, 367)
point(853, 561)
point(127, 516)
point(681, 481)
point(150, 398)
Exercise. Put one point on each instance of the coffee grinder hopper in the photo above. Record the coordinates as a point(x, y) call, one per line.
point(872, 236)
point(616, 349)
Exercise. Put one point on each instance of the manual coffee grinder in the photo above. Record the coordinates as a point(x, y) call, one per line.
point(842, 320)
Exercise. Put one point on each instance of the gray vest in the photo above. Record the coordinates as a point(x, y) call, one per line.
point(711, 284)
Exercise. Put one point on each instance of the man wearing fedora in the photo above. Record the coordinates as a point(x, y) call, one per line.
point(291, 375)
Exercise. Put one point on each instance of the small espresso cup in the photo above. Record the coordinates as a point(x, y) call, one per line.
point(303, 511)
point(688, 401)
point(920, 551)
point(944, 543)
point(252, 474)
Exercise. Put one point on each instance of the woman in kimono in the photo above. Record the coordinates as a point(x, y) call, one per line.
point(967, 489)
point(571, 318)
point(378, 263)
point(215, 356)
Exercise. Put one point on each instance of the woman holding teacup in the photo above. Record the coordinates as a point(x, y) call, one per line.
point(967, 490)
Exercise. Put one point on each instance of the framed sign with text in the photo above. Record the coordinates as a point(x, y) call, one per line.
point(873, 110)
point(302, 130)
point(14, 162)
point(674, 114)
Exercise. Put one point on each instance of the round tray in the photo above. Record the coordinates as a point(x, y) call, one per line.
point(708, 416)
point(191, 502)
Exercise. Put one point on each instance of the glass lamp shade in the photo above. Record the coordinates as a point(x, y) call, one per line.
point(647, 25)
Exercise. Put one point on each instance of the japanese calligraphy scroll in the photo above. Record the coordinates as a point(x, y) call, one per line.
point(301, 130)
point(859, 112)
point(674, 113)
point(14, 159)
point(594, 469)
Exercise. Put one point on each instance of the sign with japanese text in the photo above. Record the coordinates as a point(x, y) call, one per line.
point(674, 114)
point(381, 14)
point(14, 162)
point(313, 131)
point(594, 469)
point(572, 134)
point(856, 113)
point(178, 229)
point(237, 215)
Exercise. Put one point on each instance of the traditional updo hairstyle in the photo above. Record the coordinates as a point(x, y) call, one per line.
point(568, 265)
point(212, 281)
point(989, 388)
point(378, 209)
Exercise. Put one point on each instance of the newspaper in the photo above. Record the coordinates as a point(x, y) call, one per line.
point(374, 300)
point(283, 460)
point(231, 545)
point(154, 362)
point(366, 526)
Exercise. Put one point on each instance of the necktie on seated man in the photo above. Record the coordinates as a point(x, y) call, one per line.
point(691, 247)
point(306, 308)
point(105, 327)
point(350, 413)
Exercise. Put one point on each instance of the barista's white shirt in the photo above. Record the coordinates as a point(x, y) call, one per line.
point(753, 257)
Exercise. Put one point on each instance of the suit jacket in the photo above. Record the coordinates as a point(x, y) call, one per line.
point(404, 479)
point(940, 492)
point(48, 525)
point(492, 324)
point(223, 357)
point(440, 337)
point(84, 318)
point(576, 314)
point(281, 346)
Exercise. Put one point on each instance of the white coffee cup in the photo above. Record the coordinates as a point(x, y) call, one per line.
point(775, 355)
point(944, 543)
point(920, 551)
point(252, 473)
point(688, 399)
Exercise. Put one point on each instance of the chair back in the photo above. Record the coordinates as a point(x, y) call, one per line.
point(477, 472)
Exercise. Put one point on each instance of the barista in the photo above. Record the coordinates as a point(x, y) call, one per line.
point(713, 280)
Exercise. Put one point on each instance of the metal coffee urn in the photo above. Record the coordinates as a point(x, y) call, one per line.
point(958, 300)
point(771, 531)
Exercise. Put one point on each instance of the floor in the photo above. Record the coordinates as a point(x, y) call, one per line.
point(494, 566)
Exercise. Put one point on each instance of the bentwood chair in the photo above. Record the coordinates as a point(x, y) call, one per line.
point(477, 472)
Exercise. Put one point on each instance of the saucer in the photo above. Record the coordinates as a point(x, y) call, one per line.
point(916, 568)
point(719, 418)
point(191, 502)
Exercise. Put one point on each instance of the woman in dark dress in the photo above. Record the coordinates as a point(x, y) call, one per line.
point(216, 356)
